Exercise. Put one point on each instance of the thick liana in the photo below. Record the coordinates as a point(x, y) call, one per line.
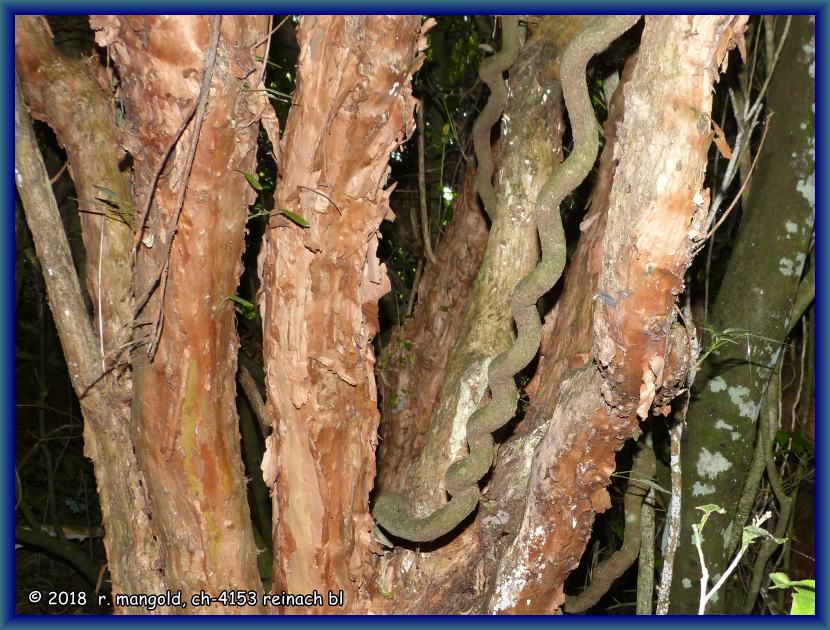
point(491, 74)
point(394, 512)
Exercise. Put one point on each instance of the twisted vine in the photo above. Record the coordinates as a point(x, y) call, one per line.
point(393, 511)
point(490, 73)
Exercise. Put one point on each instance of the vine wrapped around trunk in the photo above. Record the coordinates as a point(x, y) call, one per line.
point(392, 511)
point(491, 74)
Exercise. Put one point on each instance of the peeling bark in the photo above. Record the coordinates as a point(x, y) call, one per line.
point(572, 465)
point(567, 344)
point(657, 205)
point(185, 424)
point(646, 248)
point(527, 159)
point(64, 93)
point(320, 286)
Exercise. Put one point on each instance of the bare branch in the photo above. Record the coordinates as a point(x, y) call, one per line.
point(52, 247)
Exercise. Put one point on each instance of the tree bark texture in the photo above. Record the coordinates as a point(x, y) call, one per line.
point(352, 107)
point(646, 248)
point(527, 159)
point(184, 424)
point(756, 295)
point(567, 344)
point(65, 94)
point(417, 354)
point(438, 578)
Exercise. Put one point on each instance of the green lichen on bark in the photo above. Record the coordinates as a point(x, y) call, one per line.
point(755, 296)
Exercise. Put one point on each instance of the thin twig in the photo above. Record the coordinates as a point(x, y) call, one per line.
point(267, 46)
point(672, 520)
point(705, 595)
point(756, 106)
point(100, 302)
point(251, 389)
point(271, 32)
point(324, 195)
point(422, 189)
point(645, 563)
point(159, 324)
point(210, 59)
point(59, 173)
point(770, 419)
point(746, 179)
point(410, 303)
point(645, 560)
point(747, 119)
point(802, 362)
point(676, 433)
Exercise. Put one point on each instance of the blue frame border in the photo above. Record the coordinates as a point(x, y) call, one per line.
point(437, 7)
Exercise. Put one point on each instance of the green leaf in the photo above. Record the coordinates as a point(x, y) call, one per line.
point(751, 532)
point(804, 602)
point(781, 580)
point(259, 211)
point(707, 510)
point(109, 193)
point(243, 306)
point(252, 179)
point(654, 486)
point(296, 218)
point(804, 593)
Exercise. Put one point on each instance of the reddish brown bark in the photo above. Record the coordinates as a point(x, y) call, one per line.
point(64, 93)
point(649, 241)
point(184, 415)
point(451, 575)
point(418, 352)
point(566, 345)
point(320, 286)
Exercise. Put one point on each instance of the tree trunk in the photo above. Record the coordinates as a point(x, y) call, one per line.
point(185, 148)
point(155, 366)
point(646, 249)
point(756, 295)
point(64, 93)
point(415, 360)
point(443, 581)
point(571, 320)
point(320, 285)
